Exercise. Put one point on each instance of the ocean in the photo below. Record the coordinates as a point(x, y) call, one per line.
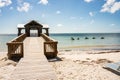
point(4, 38)
point(102, 41)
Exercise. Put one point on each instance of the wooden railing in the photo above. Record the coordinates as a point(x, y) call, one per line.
point(15, 47)
point(50, 46)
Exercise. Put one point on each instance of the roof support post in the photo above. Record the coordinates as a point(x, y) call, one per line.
point(19, 31)
point(47, 31)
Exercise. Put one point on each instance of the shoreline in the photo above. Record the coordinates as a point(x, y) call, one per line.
point(86, 48)
point(91, 47)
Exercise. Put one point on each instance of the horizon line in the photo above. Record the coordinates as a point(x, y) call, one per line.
point(64, 33)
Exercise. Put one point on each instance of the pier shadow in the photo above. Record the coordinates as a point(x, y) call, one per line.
point(16, 59)
point(55, 59)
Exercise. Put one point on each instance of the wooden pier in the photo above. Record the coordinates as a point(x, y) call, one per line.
point(33, 53)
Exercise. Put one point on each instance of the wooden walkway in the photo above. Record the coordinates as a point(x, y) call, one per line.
point(34, 65)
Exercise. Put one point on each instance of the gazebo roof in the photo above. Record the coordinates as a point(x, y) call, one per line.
point(33, 25)
point(33, 22)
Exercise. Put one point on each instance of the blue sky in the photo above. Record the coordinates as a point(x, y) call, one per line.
point(62, 16)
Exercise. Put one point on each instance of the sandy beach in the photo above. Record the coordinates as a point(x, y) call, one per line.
point(85, 65)
point(6, 66)
point(74, 65)
point(82, 37)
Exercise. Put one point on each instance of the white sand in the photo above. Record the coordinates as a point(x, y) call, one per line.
point(6, 66)
point(75, 65)
point(85, 65)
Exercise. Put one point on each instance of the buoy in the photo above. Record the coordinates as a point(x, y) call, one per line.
point(86, 38)
point(102, 37)
point(93, 38)
point(72, 38)
point(77, 38)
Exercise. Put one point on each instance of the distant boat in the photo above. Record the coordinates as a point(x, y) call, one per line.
point(102, 38)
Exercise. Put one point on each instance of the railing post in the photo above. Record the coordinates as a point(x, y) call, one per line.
point(22, 50)
point(56, 48)
point(44, 48)
point(16, 48)
point(8, 54)
point(50, 46)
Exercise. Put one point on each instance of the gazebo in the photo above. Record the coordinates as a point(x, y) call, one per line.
point(32, 25)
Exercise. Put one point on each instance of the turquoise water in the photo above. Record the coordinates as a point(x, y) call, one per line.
point(110, 41)
point(4, 38)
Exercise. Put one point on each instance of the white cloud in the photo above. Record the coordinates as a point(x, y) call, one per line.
point(45, 25)
point(43, 15)
point(24, 7)
point(11, 8)
point(111, 6)
point(58, 12)
point(92, 21)
point(88, 1)
point(59, 25)
point(91, 14)
point(44, 2)
point(115, 7)
point(5, 3)
point(112, 24)
point(20, 1)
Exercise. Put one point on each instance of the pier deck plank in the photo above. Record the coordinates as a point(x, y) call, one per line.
point(34, 65)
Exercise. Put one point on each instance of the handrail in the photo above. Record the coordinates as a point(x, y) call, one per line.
point(47, 38)
point(19, 38)
point(50, 46)
point(15, 47)
point(10, 43)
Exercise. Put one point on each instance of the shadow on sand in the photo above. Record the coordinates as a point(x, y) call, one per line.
point(55, 59)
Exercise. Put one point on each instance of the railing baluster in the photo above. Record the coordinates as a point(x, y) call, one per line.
point(15, 47)
point(50, 46)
